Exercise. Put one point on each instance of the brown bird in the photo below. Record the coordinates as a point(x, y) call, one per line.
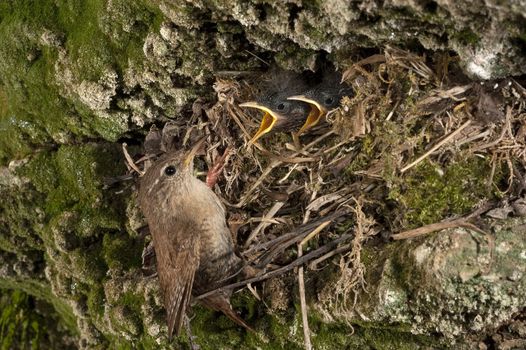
point(280, 114)
point(322, 98)
point(192, 242)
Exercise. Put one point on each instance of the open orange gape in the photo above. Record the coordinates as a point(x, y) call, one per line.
point(267, 123)
point(317, 111)
point(296, 106)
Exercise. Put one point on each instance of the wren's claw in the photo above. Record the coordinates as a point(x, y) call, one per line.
point(217, 168)
point(149, 261)
point(191, 337)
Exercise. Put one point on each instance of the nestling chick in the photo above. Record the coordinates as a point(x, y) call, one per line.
point(322, 98)
point(280, 113)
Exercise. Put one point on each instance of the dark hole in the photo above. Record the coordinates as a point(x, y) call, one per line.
point(431, 7)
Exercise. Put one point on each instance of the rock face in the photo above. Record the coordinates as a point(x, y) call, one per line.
point(454, 282)
point(114, 66)
point(76, 76)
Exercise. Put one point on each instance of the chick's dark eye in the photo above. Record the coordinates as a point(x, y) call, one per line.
point(329, 100)
point(281, 106)
point(169, 170)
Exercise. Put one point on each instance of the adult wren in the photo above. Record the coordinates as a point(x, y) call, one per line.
point(192, 242)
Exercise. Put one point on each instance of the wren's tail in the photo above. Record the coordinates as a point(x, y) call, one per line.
point(220, 302)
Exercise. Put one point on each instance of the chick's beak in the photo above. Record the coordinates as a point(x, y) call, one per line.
point(315, 114)
point(189, 158)
point(267, 123)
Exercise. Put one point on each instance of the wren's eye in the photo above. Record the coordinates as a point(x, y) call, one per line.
point(169, 170)
point(329, 101)
point(281, 107)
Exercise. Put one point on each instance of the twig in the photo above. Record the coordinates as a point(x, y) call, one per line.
point(314, 264)
point(295, 235)
point(437, 146)
point(287, 159)
point(291, 170)
point(316, 204)
point(424, 230)
point(390, 115)
point(257, 57)
point(279, 271)
point(314, 232)
point(241, 126)
point(283, 243)
point(303, 302)
point(253, 291)
point(272, 165)
point(256, 184)
point(474, 137)
point(338, 145)
point(501, 136)
point(301, 284)
point(129, 160)
point(265, 220)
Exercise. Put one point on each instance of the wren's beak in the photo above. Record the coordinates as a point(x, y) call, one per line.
point(189, 158)
point(267, 123)
point(315, 114)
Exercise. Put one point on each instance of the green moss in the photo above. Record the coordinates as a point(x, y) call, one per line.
point(361, 336)
point(41, 291)
point(132, 301)
point(71, 180)
point(385, 339)
point(466, 37)
point(121, 251)
point(95, 301)
point(32, 109)
point(362, 160)
point(315, 33)
point(19, 222)
point(427, 194)
point(63, 210)
point(126, 315)
point(88, 264)
point(293, 57)
point(215, 331)
point(110, 36)
point(22, 326)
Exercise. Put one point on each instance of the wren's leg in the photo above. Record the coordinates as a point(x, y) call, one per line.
point(217, 168)
point(191, 338)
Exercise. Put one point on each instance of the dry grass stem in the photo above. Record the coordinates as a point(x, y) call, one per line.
point(129, 160)
point(435, 147)
point(427, 229)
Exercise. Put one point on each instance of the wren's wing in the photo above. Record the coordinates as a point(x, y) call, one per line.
point(177, 261)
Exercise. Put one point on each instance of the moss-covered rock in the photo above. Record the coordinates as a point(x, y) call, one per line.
point(76, 75)
point(454, 282)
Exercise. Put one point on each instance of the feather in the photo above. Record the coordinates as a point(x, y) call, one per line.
point(177, 261)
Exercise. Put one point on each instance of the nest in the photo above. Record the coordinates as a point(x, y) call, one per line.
point(347, 182)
